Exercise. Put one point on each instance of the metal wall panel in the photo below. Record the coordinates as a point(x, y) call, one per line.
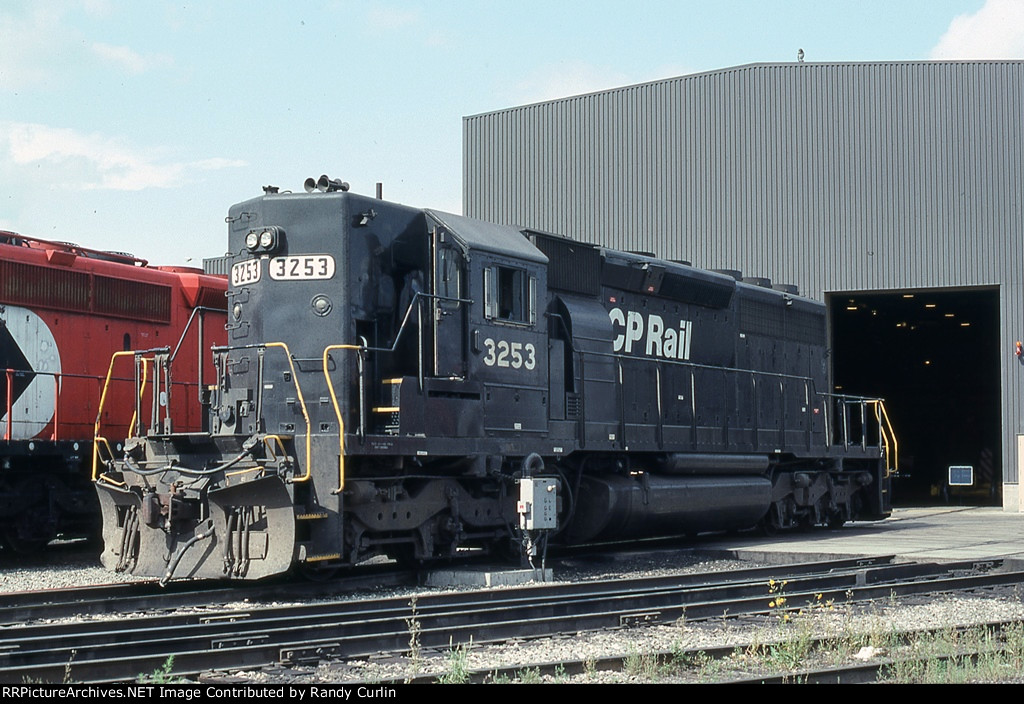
point(835, 177)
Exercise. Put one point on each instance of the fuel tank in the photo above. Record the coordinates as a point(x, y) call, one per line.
point(613, 507)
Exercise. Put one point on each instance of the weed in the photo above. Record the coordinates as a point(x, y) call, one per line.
point(67, 667)
point(680, 622)
point(415, 650)
point(707, 668)
point(530, 675)
point(778, 601)
point(978, 654)
point(161, 675)
point(458, 664)
point(643, 666)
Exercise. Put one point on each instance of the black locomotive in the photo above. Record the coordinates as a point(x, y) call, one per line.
point(408, 382)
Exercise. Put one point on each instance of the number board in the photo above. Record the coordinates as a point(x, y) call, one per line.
point(247, 272)
point(302, 267)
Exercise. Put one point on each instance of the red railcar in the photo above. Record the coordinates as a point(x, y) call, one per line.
point(64, 312)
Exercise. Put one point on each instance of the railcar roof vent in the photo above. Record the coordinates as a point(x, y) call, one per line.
point(758, 281)
point(788, 288)
point(734, 273)
point(573, 266)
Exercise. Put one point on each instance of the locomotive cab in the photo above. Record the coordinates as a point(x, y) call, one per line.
point(382, 363)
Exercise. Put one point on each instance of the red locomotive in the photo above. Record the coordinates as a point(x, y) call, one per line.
point(65, 311)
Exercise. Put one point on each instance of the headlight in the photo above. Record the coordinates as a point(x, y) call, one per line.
point(264, 240)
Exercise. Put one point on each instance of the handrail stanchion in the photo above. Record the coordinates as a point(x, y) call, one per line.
point(10, 404)
point(337, 410)
point(56, 404)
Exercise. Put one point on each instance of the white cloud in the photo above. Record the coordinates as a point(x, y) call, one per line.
point(390, 18)
point(26, 43)
point(996, 31)
point(91, 161)
point(130, 60)
point(39, 41)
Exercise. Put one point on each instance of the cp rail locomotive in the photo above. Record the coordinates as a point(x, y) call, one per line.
point(408, 382)
point(64, 311)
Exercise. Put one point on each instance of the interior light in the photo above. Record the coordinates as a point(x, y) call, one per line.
point(965, 325)
point(851, 307)
point(929, 305)
point(950, 315)
point(908, 295)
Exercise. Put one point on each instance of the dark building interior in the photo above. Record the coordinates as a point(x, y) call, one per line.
point(934, 356)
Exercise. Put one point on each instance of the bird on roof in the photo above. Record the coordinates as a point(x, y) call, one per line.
point(800, 55)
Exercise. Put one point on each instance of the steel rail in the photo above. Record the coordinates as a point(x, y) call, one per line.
point(674, 663)
point(290, 634)
point(20, 608)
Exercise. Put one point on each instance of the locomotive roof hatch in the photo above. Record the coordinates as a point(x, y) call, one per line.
point(477, 235)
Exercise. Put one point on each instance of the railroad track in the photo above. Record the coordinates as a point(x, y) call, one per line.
point(99, 600)
point(664, 665)
point(115, 650)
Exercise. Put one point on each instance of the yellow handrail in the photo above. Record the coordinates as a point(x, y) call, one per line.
point(99, 412)
point(337, 413)
point(105, 478)
point(142, 392)
point(888, 435)
point(302, 403)
point(280, 445)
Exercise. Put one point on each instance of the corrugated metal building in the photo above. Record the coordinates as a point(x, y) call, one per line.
point(891, 190)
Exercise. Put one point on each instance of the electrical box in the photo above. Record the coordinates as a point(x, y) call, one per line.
point(538, 504)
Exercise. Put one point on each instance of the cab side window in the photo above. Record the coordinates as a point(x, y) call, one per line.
point(510, 294)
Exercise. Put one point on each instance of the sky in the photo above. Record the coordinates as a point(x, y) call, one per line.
point(134, 125)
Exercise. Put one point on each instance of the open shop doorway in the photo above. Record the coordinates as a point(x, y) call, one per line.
point(933, 355)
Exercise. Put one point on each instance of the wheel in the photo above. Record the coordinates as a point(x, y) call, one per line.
point(771, 524)
point(836, 519)
point(22, 540)
point(317, 573)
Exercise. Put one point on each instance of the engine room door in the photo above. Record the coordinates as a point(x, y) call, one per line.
point(449, 308)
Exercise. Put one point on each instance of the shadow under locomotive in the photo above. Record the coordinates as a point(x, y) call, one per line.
point(408, 382)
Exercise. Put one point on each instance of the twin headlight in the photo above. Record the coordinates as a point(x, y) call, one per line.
point(264, 240)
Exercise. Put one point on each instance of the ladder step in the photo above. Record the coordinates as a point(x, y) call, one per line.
point(311, 516)
point(323, 558)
